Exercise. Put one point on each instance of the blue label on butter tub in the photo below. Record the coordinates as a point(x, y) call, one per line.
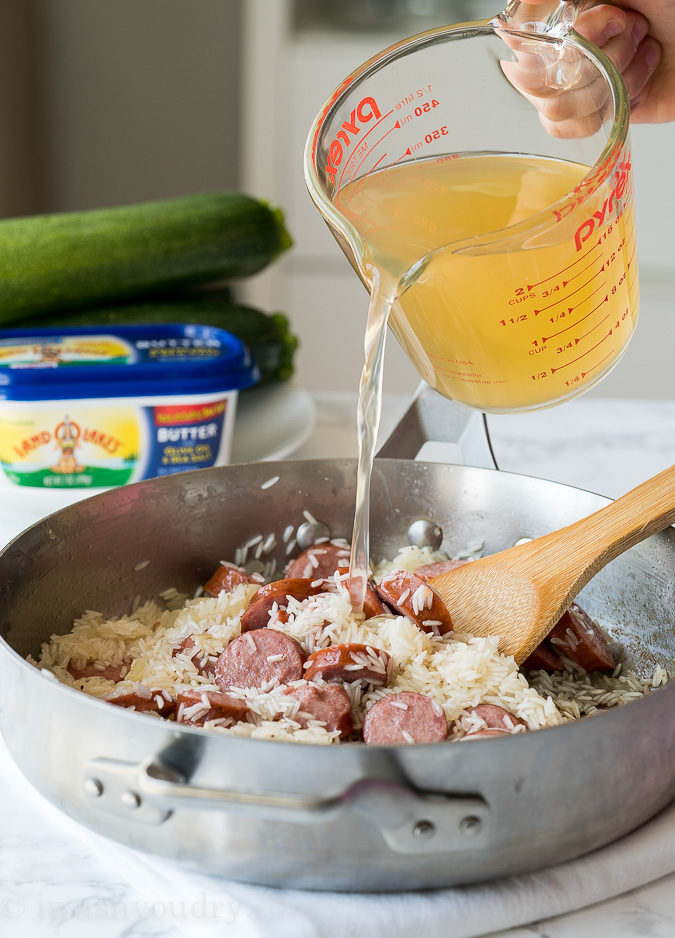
point(131, 361)
point(186, 436)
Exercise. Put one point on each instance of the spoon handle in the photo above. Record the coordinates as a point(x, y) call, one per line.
point(583, 548)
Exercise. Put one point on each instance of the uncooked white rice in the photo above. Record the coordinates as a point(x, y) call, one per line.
point(456, 670)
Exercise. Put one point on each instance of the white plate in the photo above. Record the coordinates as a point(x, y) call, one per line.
point(272, 422)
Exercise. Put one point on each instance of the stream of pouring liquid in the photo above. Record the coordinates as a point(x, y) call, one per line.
point(368, 423)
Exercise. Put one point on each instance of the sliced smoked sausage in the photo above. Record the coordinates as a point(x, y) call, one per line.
point(111, 672)
point(205, 664)
point(318, 561)
point(543, 658)
point(428, 570)
point(405, 718)
point(577, 636)
point(327, 703)
point(409, 595)
point(260, 658)
point(494, 718)
point(372, 604)
point(479, 733)
point(197, 706)
point(143, 699)
point(226, 576)
point(257, 613)
point(348, 662)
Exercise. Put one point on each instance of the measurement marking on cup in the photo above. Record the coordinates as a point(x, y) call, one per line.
point(632, 255)
point(545, 338)
point(397, 126)
point(593, 367)
point(580, 377)
point(410, 150)
point(564, 299)
point(370, 130)
point(531, 286)
point(592, 329)
point(567, 364)
point(574, 276)
point(373, 168)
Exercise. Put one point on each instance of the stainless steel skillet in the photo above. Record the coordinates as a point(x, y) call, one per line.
point(349, 816)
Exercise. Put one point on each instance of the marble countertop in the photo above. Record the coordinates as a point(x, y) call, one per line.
point(56, 884)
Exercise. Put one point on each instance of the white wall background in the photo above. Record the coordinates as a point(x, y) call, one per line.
point(111, 101)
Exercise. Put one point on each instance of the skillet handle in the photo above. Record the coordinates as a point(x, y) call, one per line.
point(409, 821)
point(436, 429)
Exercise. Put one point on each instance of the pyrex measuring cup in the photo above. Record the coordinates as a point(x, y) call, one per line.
point(480, 174)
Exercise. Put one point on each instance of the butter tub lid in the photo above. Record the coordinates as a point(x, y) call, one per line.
point(126, 361)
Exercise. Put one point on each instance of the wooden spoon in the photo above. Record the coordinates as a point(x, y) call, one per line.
point(520, 593)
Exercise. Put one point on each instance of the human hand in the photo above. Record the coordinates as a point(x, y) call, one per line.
point(651, 74)
point(574, 105)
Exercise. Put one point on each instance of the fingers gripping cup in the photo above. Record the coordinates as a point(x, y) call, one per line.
point(478, 178)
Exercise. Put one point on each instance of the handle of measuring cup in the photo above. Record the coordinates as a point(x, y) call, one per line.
point(550, 16)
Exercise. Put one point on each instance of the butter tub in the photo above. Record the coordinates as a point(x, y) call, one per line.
point(87, 408)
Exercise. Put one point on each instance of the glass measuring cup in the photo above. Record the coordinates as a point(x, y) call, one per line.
point(478, 178)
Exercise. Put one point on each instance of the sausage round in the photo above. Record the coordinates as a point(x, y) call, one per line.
point(318, 561)
point(327, 703)
point(428, 570)
point(410, 596)
point(226, 576)
point(348, 662)
point(495, 717)
point(480, 733)
point(214, 706)
point(404, 718)
point(577, 636)
point(111, 672)
point(372, 604)
point(261, 658)
point(144, 700)
point(205, 664)
point(257, 613)
point(543, 658)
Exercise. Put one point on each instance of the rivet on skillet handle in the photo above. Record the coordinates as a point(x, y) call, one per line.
point(111, 785)
point(423, 822)
point(423, 533)
point(310, 532)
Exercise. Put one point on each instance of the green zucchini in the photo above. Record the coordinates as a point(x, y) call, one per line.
point(80, 259)
point(268, 336)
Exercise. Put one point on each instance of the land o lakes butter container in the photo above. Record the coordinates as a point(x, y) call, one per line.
point(87, 408)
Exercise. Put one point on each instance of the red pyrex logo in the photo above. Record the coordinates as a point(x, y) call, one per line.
point(611, 204)
point(365, 111)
